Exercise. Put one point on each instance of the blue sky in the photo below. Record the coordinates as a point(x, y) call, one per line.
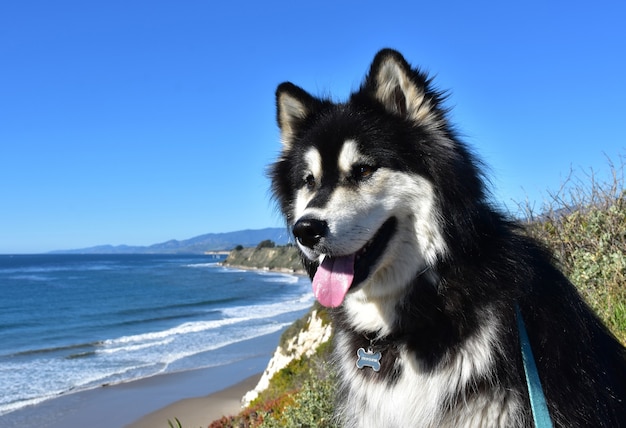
point(136, 122)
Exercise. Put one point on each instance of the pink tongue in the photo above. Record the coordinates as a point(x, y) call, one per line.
point(333, 279)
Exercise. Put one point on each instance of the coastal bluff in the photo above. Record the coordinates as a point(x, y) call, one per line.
point(298, 371)
point(302, 340)
point(276, 258)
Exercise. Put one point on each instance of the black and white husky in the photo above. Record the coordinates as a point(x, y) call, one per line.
point(389, 211)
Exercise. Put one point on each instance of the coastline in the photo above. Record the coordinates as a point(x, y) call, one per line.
point(204, 392)
point(199, 411)
point(299, 272)
point(269, 258)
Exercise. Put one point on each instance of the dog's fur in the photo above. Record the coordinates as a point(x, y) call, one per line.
point(439, 272)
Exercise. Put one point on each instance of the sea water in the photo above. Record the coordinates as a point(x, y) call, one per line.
point(76, 322)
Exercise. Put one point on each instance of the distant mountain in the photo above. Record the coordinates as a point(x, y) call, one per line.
point(197, 245)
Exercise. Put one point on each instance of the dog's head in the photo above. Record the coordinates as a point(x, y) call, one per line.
point(358, 181)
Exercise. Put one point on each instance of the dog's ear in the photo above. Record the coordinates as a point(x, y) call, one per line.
point(400, 89)
point(293, 106)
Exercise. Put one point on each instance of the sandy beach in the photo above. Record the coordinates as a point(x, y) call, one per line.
point(199, 412)
point(195, 397)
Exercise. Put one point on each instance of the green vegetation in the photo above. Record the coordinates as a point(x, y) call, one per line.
point(300, 395)
point(311, 406)
point(266, 244)
point(305, 387)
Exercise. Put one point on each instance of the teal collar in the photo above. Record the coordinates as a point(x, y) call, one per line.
point(539, 407)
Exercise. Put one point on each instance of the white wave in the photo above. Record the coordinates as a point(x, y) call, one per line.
point(33, 384)
point(270, 309)
point(133, 348)
point(307, 298)
point(32, 277)
point(224, 269)
point(234, 315)
point(16, 405)
point(186, 328)
point(203, 265)
point(226, 341)
point(281, 278)
point(79, 267)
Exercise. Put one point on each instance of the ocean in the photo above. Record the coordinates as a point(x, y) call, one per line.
point(76, 322)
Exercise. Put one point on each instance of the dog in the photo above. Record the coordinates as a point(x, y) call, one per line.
point(429, 285)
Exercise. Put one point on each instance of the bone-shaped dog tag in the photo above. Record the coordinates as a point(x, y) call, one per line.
point(368, 359)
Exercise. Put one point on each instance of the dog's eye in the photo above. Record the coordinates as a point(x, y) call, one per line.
point(309, 181)
point(361, 172)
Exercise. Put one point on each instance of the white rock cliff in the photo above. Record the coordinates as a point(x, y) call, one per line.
point(305, 343)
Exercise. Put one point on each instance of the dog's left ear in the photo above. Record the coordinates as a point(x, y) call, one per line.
point(400, 89)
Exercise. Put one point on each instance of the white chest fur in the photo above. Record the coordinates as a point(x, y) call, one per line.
point(426, 398)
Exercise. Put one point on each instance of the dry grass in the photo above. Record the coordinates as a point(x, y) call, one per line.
point(584, 224)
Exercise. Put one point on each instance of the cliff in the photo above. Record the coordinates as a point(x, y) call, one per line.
point(304, 343)
point(297, 387)
point(282, 259)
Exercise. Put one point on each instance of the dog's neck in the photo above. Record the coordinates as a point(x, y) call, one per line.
point(378, 317)
point(379, 343)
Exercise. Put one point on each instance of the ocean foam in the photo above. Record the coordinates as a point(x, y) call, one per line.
point(203, 265)
point(281, 278)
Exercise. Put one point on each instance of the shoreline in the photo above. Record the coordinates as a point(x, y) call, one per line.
point(210, 391)
point(299, 272)
point(200, 411)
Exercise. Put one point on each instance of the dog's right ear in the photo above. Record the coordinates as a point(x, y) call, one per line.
point(293, 106)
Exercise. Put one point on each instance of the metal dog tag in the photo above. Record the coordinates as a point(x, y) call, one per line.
point(368, 359)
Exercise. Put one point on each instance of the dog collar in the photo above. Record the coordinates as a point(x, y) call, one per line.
point(538, 405)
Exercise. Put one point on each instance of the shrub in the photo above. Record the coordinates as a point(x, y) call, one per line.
point(300, 395)
point(312, 406)
point(266, 244)
point(584, 224)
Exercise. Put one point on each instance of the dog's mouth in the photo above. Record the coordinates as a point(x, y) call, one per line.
point(336, 275)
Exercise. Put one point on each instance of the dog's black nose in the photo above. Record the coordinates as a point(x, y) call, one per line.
point(309, 231)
